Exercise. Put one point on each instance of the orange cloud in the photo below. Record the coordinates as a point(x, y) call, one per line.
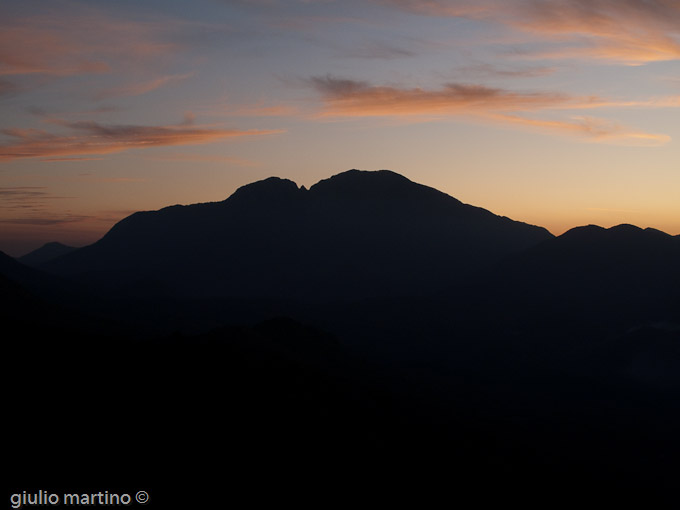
point(92, 138)
point(63, 44)
point(355, 98)
point(487, 70)
point(53, 160)
point(349, 98)
point(631, 31)
point(27, 49)
point(590, 128)
point(627, 31)
point(457, 8)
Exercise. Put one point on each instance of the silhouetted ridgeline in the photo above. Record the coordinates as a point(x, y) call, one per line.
point(622, 271)
point(45, 253)
point(357, 234)
point(368, 336)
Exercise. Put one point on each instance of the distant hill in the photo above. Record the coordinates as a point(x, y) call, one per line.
point(357, 234)
point(45, 253)
point(623, 270)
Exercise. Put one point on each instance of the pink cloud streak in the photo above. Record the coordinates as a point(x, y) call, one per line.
point(349, 98)
point(626, 31)
point(91, 138)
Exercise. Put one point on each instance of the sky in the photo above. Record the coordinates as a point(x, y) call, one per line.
point(557, 113)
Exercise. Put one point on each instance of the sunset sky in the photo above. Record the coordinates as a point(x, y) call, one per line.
point(557, 113)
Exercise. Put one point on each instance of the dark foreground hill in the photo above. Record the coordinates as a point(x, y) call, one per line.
point(280, 411)
point(357, 234)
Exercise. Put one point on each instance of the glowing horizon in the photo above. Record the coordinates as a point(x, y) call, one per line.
point(558, 113)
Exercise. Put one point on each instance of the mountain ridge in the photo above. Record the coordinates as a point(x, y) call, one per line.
point(45, 253)
point(623, 270)
point(355, 234)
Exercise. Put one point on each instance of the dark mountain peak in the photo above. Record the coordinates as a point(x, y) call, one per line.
point(609, 256)
point(625, 228)
point(45, 253)
point(54, 245)
point(613, 236)
point(364, 177)
point(584, 231)
point(636, 235)
point(266, 189)
point(378, 185)
point(354, 179)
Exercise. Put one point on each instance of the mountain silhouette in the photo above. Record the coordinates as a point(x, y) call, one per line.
point(45, 253)
point(622, 271)
point(552, 360)
point(357, 234)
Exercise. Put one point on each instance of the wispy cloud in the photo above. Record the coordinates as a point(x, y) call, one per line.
point(41, 49)
point(56, 160)
point(52, 219)
point(46, 115)
point(22, 193)
point(28, 205)
point(378, 50)
point(87, 138)
point(259, 110)
point(630, 31)
point(117, 180)
point(458, 8)
point(350, 98)
point(137, 89)
point(589, 128)
point(35, 206)
point(358, 98)
point(626, 31)
point(493, 71)
point(83, 42)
